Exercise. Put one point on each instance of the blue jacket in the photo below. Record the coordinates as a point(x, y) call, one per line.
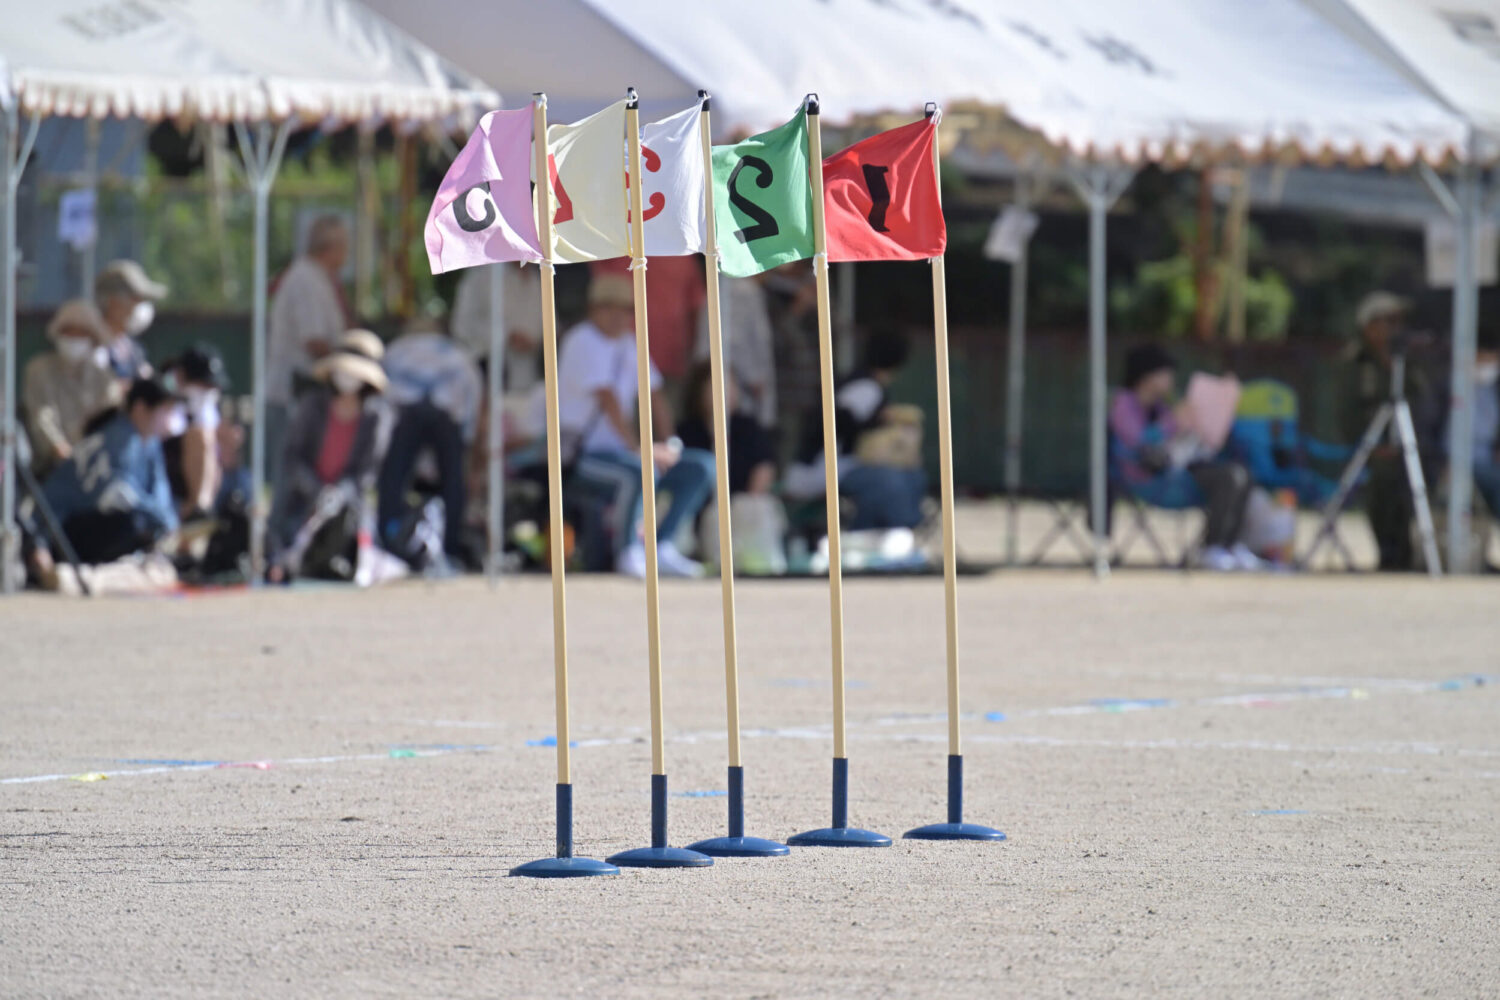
point(114, 469)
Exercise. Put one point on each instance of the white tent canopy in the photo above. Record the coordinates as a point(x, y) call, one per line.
point(1147, 80)
point(244, 61)
point(224, 60)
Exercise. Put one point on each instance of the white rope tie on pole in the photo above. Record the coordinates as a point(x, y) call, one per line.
point(637, 264)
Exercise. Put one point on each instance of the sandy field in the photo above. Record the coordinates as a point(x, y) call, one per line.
point(1212, 786)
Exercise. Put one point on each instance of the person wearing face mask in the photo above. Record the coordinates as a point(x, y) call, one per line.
point(193, 453)
point(112, 496)
point(63, 387)
point(330, 444)
point(127, 299)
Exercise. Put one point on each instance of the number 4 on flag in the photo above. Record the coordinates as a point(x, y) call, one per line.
point(880, 198)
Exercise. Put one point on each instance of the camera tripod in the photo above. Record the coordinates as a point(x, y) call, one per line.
point(1394, 416)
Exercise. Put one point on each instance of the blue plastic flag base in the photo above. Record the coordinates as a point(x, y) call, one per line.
point(564, 868)
point(839, 836)
point(661, 857)
point(954, 831)
point(740, 847)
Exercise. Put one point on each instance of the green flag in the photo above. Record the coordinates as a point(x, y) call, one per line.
point(763, 200)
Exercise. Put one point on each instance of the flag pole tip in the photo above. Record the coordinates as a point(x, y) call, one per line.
point(812, 104)
point(633, 97)
point(931, 109)
point(705, 98)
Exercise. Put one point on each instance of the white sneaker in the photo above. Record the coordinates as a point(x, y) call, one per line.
point(632, 561)
point(1247, 560)
point(671, 562)
point(1218, 559)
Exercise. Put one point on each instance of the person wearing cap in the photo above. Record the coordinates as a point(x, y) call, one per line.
point(64, 387)
point(596, 381)
point(193, 454)
point(331, 441)
point(307, 318)
point(1381, 318)
point(112, 496)
point(1151, 458)
point(127, 299)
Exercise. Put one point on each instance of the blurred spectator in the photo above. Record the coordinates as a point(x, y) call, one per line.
point(879, 462)
point(193, 453)
point(597, 396)
point(749, 346)
point(127, 300)
point(307, 317)
point(329, 456)
point(111, 496)
point(674, 299)
point(522, 302)
point(752, 457)
point(1487, 421)
point(1155, 458)
point(1381, 318)
point(65, 386)
point(436, 393)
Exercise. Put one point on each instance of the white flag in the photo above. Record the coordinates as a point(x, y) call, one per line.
point(589, 200)
point(672, 165)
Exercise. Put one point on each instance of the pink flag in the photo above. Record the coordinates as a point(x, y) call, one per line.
point(482, 212)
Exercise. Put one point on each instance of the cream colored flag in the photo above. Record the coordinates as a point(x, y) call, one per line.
point(590, 204)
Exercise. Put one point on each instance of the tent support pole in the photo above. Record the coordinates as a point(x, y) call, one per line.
point(262, 155)
point(17, 152)
point(1015, 387)
point(1465, 337)
point(496, 436)
point(1463, 205)
point(1099, 189)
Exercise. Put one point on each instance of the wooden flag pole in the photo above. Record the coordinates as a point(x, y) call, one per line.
point(564, 865)
point(736, 844)
point(658, 855)
point(840, 834)
point(955, 828)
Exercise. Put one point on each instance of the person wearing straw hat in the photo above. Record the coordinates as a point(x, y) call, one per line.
point(330, 444)
point(127, 299)
point(64, 387)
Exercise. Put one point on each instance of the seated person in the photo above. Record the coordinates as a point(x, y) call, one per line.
point(330, 446)
point(597, 400)
point(193, 453)
point(1487, 421)
point(111, 496)
point(1153, 459)
point(436, 394)
point(752, 464)
point(64, 387)
point(879, 455)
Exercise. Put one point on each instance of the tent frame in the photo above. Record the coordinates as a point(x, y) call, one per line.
point(262, 155)
point(18, 149)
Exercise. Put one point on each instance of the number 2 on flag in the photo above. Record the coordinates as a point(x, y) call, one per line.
point(765, 222)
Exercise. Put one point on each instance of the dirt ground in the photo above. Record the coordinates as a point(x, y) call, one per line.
point(1212, 786)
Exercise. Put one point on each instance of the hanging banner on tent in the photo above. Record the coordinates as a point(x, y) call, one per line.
point(1009, 234)
point(482, 213)
point(880, 198)
point(672, 160)
point(763, 200)
point(589, 198)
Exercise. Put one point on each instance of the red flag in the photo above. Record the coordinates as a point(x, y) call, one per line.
point(880, 198)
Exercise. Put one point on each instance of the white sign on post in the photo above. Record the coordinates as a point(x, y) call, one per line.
point(77, 225)
point(1010, 233)
point(1442, 252)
